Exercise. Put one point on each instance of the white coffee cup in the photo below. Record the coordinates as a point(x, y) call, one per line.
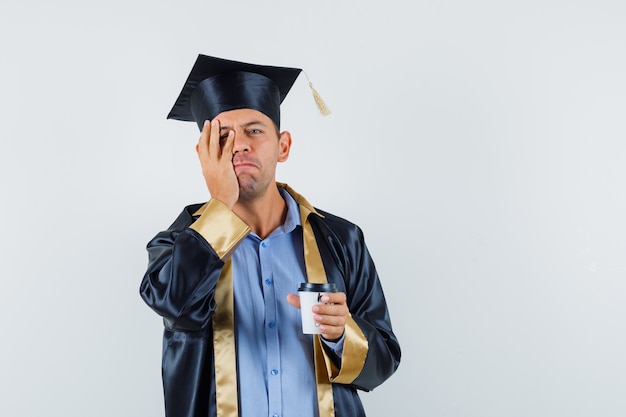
point(311, 294)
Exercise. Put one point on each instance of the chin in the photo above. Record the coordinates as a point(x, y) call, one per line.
point(248, 192)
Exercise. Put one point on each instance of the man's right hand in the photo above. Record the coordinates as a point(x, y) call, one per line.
point(216, 155)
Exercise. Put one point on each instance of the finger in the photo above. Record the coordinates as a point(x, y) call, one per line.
point(202, 146)
point(214, 139)
point(294, 300)
point(331, 333)
point(334, 310)
point(227, 149)
point(330, 321)
point(334, 298)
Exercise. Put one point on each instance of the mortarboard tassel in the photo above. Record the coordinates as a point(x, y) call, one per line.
point(321, 105)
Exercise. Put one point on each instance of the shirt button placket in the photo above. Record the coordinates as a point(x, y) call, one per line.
point(271, 335)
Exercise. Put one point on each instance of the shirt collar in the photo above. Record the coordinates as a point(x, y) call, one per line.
point(293, 201)
point(293, 214)
point(292, 219)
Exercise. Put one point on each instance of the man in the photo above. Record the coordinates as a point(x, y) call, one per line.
point(224, 276)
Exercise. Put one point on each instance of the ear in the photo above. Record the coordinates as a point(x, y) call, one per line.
point(284, 145)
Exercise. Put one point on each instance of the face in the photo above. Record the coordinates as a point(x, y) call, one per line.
point(257, 148)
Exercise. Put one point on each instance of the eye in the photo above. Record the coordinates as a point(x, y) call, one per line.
point(255, 131)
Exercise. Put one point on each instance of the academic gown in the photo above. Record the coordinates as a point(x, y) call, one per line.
point(180, 285)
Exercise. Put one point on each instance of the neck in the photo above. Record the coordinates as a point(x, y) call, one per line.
point(263, 214)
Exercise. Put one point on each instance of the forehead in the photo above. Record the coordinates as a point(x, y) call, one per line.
point(243, 117)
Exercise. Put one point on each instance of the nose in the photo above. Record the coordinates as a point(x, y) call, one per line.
point(240, 143)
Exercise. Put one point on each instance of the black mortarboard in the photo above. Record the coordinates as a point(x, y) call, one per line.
point(216, 85)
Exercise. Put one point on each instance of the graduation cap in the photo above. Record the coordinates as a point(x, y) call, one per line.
point(216, 85)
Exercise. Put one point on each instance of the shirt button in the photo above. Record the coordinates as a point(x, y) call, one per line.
point(263, 244)
point(271, 324)
point(275, 415)
point(274, 372)
point(268, 281)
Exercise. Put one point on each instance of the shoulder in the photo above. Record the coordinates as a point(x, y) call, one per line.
point(334, 219)
point(340, 226)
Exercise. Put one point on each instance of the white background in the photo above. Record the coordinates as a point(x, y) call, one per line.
point(480, 145)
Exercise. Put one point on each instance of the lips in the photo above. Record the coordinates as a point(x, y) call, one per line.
point(245, 163)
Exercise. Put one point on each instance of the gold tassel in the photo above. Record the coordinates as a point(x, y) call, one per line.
point(321, 105)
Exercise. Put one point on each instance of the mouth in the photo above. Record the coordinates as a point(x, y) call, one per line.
point(244, 166)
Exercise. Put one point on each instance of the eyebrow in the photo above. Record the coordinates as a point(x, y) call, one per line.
point(247, 124)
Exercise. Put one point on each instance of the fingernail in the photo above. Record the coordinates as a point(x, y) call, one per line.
point(316, 309)
point(325, 298)
point(214, 122)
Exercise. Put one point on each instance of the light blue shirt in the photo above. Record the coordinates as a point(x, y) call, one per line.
point(274, 359)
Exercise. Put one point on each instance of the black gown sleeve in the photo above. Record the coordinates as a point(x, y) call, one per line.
point(349, 264)
point(182, 273)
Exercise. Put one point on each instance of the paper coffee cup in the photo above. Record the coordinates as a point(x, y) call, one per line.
point(310, 295)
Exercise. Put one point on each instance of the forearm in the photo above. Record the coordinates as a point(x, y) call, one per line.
point(371, 351)
point(185, 263)
point(382, 358)
point(180, 280)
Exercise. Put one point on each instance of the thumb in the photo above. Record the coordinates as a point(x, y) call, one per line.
point(294, 300)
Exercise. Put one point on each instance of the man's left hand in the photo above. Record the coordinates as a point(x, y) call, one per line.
point(332, 315)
